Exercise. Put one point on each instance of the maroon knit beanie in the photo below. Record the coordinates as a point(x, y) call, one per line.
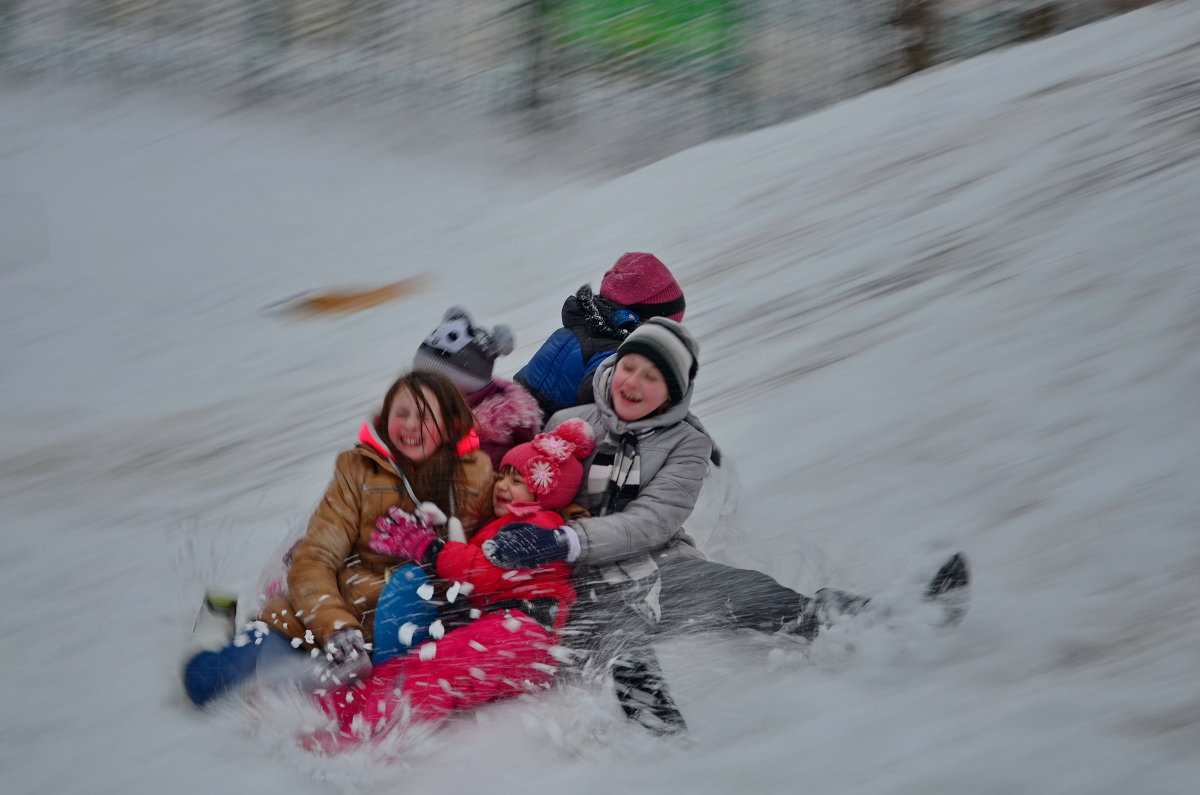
point(641, 283)
point(550, 464)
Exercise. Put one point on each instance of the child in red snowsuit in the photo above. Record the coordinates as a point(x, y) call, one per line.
point(519, 614)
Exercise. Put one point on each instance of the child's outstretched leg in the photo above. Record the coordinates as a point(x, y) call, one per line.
point(611, 637)
point(404, 613)
point(949, 589)
point(212, 673)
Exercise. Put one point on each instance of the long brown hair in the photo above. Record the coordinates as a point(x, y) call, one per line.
point(433, 478)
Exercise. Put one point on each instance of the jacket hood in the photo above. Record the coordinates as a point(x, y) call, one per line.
point(502, 409)
point(588, 310)
point(675, 413)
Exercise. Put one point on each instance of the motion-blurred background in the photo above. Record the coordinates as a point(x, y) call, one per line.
point(619, 82)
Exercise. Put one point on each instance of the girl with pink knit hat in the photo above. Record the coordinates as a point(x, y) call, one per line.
point(518, 615)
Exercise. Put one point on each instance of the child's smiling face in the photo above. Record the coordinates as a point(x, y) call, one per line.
point(510, 487)
point(414, 436)
point(638, 388)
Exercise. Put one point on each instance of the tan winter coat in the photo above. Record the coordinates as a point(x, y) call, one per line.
point(335, 578)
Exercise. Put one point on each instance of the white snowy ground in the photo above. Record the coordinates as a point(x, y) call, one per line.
point(960, 312)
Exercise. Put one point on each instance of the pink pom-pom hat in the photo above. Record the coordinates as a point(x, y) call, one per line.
point(550, 464)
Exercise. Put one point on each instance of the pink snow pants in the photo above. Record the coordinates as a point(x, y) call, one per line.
point(497, 656)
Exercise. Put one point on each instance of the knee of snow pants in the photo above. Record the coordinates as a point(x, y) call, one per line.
point(605, 622)
point(704, 596)
point(402, 617)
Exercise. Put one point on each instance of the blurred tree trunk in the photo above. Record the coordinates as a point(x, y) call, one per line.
point(732, 85)
point(8, 26)
point(916, 21)
point(267, 36)
point(539, 65)
point(1039, 21)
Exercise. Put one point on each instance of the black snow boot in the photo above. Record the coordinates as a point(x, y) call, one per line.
point(823, 610)
point(642, 693)
point(950, 588)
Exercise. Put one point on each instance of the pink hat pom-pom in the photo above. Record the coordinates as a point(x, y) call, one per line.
point(578, 433)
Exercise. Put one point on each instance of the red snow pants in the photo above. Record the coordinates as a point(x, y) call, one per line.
point(497, 656)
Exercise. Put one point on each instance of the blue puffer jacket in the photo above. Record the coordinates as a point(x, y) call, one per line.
point(559, 375)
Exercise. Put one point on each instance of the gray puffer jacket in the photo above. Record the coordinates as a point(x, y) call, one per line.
point(672, 459)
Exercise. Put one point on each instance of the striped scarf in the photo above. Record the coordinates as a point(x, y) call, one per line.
point(615, 479)
point(614, 475)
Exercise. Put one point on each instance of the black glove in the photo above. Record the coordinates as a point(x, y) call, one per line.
point(523, 545)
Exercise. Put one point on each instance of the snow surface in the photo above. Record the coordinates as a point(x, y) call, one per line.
point(961, 312)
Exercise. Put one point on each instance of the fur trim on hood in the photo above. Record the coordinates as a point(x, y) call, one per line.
point(505, 413)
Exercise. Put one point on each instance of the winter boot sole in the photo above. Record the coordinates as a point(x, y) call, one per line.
point(950, 588)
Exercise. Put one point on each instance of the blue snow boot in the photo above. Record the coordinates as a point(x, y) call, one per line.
point(210, 674)
point(403, 616)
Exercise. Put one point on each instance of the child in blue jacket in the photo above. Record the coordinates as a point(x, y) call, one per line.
point(638, 287)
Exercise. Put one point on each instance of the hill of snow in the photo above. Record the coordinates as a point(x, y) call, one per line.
point(961, 312)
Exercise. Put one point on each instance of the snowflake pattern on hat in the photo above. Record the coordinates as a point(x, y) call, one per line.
point(550, 463)
point(553, 446)
point(543, 475)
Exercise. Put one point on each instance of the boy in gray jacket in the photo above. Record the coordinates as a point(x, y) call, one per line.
point(637, 572)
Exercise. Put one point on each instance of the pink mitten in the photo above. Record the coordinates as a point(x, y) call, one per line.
point(402, 535)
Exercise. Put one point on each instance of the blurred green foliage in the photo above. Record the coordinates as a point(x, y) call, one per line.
point(663, 32)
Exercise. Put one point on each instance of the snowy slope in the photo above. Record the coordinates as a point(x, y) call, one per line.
point(960, 312)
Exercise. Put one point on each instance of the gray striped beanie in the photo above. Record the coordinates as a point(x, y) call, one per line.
point(672, 350)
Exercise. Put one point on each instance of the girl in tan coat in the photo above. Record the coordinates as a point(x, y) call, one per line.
point(420, 449)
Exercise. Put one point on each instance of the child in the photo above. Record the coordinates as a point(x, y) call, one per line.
point(421, 449)
point(520, 615)
point(505, 413)
point(639, 574)
point(638, 287)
